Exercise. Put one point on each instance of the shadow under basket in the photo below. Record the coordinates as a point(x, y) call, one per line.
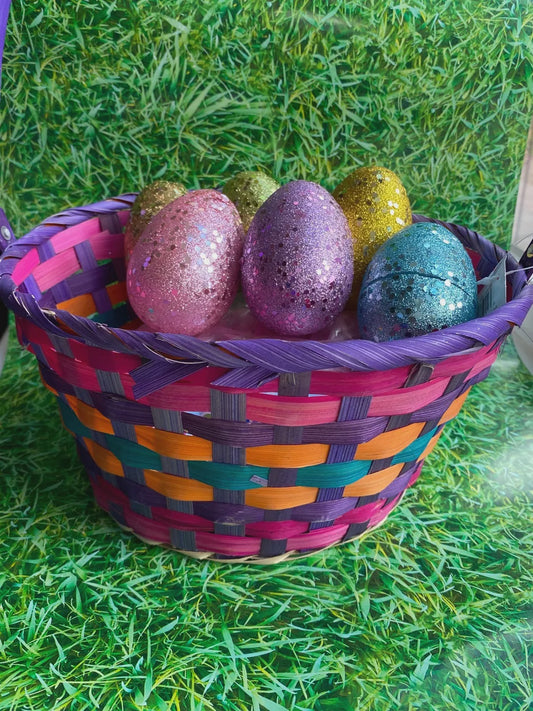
point(242, 450)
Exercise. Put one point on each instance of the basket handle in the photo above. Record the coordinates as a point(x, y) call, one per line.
point(6, 233)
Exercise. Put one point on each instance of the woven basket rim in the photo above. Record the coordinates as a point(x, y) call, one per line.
point(259, 358)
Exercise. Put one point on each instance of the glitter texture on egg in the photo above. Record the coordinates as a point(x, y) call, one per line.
point(421, 280)
point(248, 191)
point(183, 273)
point(297, 264)
point(148, 203)
point(376, 206)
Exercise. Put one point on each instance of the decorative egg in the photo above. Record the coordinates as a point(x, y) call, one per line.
point(183, 273)
point(148, 203)
point(248, 191)
point(376, 206)
point(297, 264)
point(421, 280)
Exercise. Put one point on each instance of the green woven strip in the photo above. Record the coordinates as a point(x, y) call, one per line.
point(116, 317)
point(235, 477)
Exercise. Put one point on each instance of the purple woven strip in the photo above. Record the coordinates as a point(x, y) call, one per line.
point(45, 251)
point(323, 510)
point(352, 408)
point(249, 377)
point(330, 494)
point(117, 408)
point(227, 513)
point(279, 477)
point(154, 375)
point(226, 408)
point(398, 485)
point(88, 263)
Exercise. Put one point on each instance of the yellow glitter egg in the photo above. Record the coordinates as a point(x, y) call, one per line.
point(376, 206)
point(248, 191)
point(151, 200)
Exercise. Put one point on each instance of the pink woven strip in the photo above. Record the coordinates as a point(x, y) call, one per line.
point(357, 384)
point(382, 514)
point(66, 263)
point(276, 410)
point(56, 269)
point(484, 362)
point(460, 364)
point(25, 266)
point(187, 522)
point(320, 538)
point(145, 527)
point(407, 399)
point(276, 530)
point(104, 360)
point(362, 513)
point(83, 231)
point(227, 545)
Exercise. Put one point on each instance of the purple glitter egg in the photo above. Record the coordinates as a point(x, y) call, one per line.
point(183, 273)
point(297, 264)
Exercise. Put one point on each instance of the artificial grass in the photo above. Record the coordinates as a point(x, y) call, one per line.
point(433, 609)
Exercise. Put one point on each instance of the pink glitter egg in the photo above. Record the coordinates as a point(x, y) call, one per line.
point(183, 272)
point(297, 264)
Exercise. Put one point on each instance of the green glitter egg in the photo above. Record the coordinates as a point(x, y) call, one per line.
point(152, 198)
point(248, 191)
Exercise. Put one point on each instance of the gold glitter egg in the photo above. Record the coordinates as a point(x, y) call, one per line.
point(151, 200)
point(376, 206)
point(248, 191)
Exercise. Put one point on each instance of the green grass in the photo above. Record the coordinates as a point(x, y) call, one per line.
point(433, 610)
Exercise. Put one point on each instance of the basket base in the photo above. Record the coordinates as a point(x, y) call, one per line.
point(256, 560)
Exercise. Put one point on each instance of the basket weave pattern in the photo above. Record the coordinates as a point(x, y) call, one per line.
point(242, 450)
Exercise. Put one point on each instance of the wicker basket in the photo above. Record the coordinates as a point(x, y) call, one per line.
point(253, 450)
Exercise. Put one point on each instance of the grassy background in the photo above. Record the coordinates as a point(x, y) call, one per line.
point(434, 609)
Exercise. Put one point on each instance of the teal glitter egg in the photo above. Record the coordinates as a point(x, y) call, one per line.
point(421, 280)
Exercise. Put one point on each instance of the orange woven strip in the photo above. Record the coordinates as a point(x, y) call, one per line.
point(390, 443)
point(454, 408)
point(79, 305)
point(373, 483)
point(287, 455)
point(103, 457)
point(276, 499)
point(180, 488)
point(84, 305)
point(176, 446)
point(90, 416)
